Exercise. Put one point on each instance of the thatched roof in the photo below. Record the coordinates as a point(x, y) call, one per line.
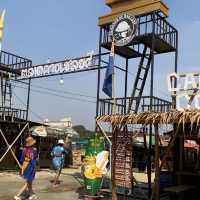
point(174, 116)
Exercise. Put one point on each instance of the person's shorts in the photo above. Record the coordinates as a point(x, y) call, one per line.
point(57, 163)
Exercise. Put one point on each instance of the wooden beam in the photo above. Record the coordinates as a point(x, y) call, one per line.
point(133, 7)
point(123, 5)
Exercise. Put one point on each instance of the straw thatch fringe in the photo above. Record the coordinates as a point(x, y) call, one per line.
point(174, 116)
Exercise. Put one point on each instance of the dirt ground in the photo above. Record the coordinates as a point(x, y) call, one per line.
point(69, 189)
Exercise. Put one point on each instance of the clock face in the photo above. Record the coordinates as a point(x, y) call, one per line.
point(123, 30)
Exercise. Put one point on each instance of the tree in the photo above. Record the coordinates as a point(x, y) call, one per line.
point(83, 132)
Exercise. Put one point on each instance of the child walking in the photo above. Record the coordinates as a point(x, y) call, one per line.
point(28, 159)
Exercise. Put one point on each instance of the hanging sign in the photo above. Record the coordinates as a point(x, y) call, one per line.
point(186, 89)
point(62, 67)
point(122, 159)
point(123, 30)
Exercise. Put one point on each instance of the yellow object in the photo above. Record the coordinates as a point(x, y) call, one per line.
point(2, 24)
point(95, 167)
point(90, 171)
point(132, 7)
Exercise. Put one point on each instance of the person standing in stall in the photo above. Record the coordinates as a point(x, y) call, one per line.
point(29, 161)
point(58, 154)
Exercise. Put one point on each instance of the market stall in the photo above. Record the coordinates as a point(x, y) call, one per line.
point(186, 126)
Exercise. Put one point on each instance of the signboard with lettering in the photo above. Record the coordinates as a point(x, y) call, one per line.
point(122, 158)
point(56, 68)
point(186, 89)
point(123, 30)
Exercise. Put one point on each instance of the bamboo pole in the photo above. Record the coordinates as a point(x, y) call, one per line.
point(171, 143)
point(181, 153)
point(104, 133)
point(114, 188)
point(157, 169)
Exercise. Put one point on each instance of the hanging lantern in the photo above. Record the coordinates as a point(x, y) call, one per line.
point(61, 81)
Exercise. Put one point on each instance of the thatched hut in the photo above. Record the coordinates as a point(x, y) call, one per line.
point(186, 126)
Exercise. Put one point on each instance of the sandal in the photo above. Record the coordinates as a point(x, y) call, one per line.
point(17, 198)
point(33, 197)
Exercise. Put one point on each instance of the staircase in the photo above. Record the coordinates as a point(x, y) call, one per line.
point(140, 80)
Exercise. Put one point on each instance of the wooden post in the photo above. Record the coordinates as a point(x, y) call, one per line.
point(114, 188)
point(169, 148)
point(181, 154)
point(157, 168)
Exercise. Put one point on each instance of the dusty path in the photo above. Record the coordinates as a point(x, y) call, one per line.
point(69, 189)
point(10, 183)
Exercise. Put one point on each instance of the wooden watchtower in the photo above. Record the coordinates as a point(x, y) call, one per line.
point(154, 36)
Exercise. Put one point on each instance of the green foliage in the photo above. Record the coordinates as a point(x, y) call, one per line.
point(83, 132)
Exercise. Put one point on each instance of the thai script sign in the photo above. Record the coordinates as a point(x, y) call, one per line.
point(186, 89)
point(62, 67)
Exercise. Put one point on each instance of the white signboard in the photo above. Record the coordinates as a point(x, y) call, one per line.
point(186, 89)
point(59, 67)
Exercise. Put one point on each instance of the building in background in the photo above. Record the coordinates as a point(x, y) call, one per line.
point(49, 133)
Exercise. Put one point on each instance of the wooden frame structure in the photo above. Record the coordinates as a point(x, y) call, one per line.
point(13, 121)
point(183, 121)
point(154, 36)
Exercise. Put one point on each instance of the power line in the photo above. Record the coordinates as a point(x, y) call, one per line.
point(83, 95)
point(61, 91)
point(34, 113)
point(57, 95)
point(66, 92)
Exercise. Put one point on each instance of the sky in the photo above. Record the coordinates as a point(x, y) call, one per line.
point(52, 29)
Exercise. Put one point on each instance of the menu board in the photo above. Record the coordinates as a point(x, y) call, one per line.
point(122, 158)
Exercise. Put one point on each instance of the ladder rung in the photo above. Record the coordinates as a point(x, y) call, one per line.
point(143, 68)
